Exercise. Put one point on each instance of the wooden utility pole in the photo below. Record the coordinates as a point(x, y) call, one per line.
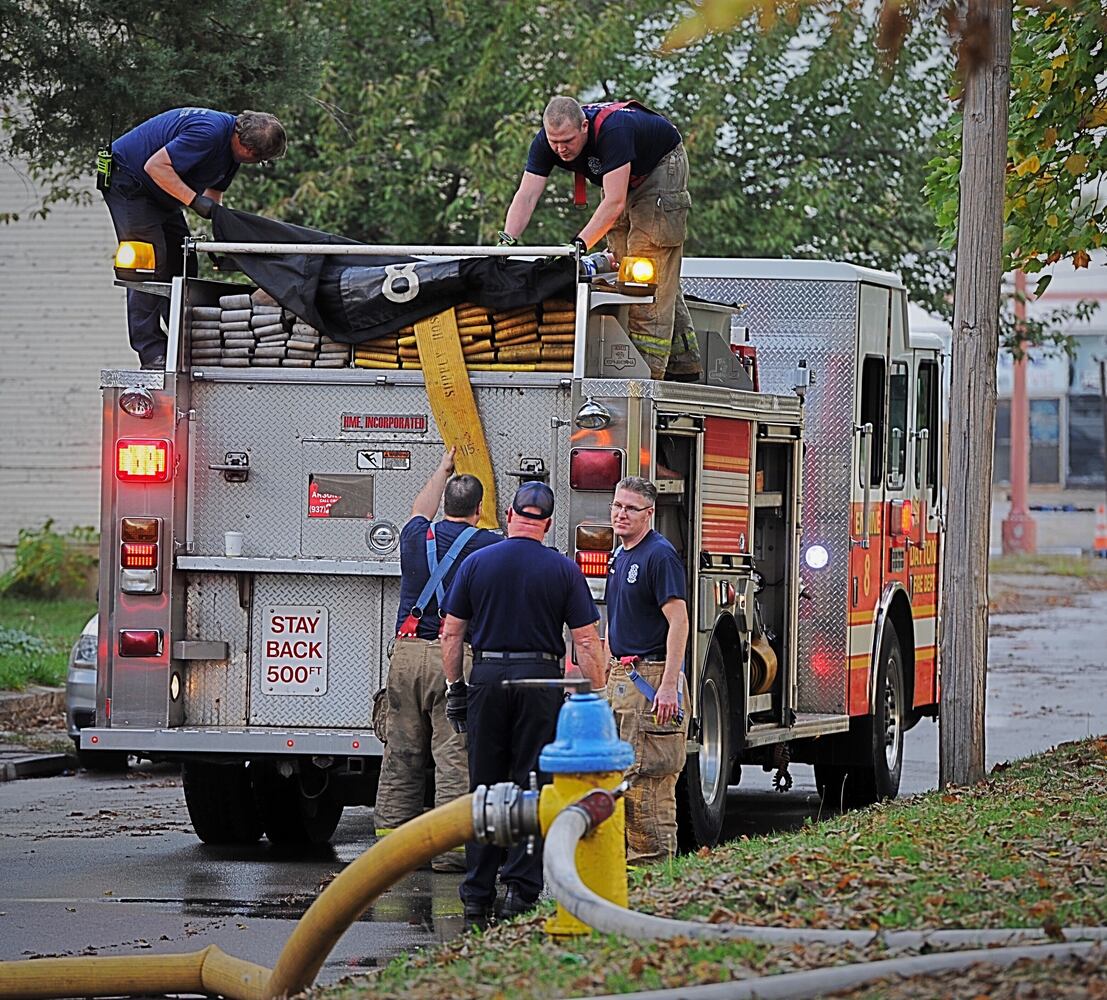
point(972, 409)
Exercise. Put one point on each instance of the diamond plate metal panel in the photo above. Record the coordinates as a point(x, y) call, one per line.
point(817, 321)
point(356, 644)
point(215, 693)
point(270, 421)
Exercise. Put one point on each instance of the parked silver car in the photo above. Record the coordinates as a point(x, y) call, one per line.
point(80, 699)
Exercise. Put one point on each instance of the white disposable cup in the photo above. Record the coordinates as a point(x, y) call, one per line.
point(232, 543)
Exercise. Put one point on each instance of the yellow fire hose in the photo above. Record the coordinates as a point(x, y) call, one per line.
point(213, 972)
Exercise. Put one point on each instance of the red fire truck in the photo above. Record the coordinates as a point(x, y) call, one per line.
point(799, 482)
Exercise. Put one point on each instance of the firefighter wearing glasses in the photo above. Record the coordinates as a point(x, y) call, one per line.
point(415, 696)
point(647, 631)
point(516, 599)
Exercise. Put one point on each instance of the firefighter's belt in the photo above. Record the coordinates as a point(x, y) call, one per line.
point(542, 657)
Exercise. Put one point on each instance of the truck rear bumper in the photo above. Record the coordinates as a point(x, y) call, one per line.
point(249, 741)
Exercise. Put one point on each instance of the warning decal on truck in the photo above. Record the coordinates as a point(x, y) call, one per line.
point(340, 496)
point(294, 650)
point(384, 459)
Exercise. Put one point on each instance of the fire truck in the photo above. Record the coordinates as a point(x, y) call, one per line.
point(799, 481)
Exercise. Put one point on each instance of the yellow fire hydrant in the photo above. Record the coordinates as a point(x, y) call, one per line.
point(586, 754)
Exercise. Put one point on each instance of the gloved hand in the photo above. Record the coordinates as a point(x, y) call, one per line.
point(581, 246)
point(457, 705)
point(202, 205)
point(505, 239)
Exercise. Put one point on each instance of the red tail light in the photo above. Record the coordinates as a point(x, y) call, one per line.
point(593, 563)
point(143, 460)
point(140, 642)
point(139, 555)
point(598, 469)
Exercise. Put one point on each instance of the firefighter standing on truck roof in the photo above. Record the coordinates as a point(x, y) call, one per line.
point(185, 157)
point(515, 598)
point(647, 631)
point(637, 156)
point(415, 695)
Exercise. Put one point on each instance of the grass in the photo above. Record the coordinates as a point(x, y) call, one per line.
point(35, 639)
point(1025, 848)
point(1085, 567)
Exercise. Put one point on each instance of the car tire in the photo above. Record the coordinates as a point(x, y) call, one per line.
point(291, 816)
point(220, 803)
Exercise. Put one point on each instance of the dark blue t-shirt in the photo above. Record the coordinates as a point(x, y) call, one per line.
point(639, 581)
point(415, 573)
point(518, 595)
point(630, 135)
point(198, 141)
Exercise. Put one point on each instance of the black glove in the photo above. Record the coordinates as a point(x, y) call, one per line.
point(202, 205)
point(457, 705)
point(580, 245)
point(505, 239)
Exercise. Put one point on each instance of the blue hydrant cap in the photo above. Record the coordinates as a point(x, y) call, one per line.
point(587, 740)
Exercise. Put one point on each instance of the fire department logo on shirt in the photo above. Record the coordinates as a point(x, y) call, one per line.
point(632, 574)
point(594, 164)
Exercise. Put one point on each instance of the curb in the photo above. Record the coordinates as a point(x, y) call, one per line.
point(34, 701)
point(41, 765)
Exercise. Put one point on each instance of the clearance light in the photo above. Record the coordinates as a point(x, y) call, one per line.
point(593, 563)
point(140, 642)
point(597, 469)
point(142, 460)
point(134, 260)
point(816, 556)
point(174, 686)
point(637, 276)
point(900, 520)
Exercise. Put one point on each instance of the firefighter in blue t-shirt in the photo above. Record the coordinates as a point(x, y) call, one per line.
point(647, 632)
point(415, 695)
point(638, 158)
point(515, 599)
point(185, 157)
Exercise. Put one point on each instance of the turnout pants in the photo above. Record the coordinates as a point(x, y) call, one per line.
point(654, 224)
point(418, 733)
point(508, 727)
point(137, 216)
point(659, 755)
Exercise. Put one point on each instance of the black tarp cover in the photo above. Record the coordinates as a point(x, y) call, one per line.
point(360, 297)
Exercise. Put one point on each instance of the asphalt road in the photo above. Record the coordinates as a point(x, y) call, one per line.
point(98, 864)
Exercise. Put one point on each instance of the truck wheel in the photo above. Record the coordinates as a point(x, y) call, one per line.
point(219, 803)
point(878, 741)
point(291, 816)
point(701, 790)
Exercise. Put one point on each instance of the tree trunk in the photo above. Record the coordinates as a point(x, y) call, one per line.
point(972, 406)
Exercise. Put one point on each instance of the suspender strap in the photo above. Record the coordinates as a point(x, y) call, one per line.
point(580, 195)
point(438, 571)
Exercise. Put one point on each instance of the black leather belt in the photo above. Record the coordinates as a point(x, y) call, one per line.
point(545, 657)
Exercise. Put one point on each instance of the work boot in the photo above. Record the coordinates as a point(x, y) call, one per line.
point(514, 903)
point(477, 917)
point(156, 364)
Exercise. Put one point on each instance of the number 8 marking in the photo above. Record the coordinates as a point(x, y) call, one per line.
point(400, 273)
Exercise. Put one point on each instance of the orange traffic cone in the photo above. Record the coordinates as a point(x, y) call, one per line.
point(1101, 531)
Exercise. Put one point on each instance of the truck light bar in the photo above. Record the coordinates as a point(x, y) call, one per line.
point(596, 469)
point(142, 460)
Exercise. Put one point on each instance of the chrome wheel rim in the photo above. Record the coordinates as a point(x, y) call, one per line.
point(893, 722)
point(711, 742)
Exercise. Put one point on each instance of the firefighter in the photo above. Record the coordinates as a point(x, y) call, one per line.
point(638, 158)
point(185, 157)
point(515, 599)
point(415, 696)
point(647, 630)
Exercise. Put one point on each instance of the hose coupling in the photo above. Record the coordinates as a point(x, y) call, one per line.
point(505, 814)
point(597, 805)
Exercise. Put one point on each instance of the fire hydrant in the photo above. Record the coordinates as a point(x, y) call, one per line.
point(586, 754)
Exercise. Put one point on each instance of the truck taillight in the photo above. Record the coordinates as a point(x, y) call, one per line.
point(142, 460)
point(140, 642)
point(598, 469)
point(140, 539)
point(594, 543)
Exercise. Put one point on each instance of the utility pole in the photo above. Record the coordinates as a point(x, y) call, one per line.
point(964, 643)
point(1020, 530)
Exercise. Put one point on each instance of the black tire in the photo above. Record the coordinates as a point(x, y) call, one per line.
point(291, 815)
point(701, 789)
point(219, 803)
point(878, 741)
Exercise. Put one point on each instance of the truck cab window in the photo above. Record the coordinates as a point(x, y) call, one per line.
point(872, 412)
point(926, 409)
point(897, 426)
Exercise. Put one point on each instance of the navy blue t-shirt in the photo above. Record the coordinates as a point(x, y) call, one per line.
point(639, 581)
point(630, 135)
point(198, 141)
point(415, 573)
point(518, 595)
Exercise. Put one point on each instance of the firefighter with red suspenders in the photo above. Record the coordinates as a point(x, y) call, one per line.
point(638, 158)
point(415, 708)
